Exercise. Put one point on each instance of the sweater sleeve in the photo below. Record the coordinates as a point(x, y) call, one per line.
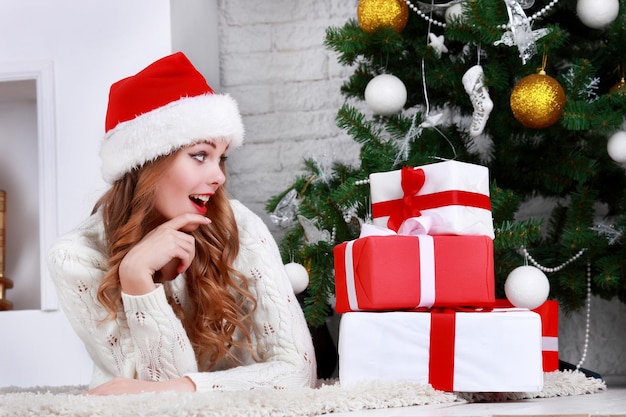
point(282, 338)
point(145, 341)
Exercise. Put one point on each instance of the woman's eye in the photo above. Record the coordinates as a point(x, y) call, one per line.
point(200, 156)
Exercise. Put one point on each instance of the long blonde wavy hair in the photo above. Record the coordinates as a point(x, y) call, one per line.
point(219, 292)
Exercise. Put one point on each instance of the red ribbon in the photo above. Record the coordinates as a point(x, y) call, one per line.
point(441, 359)
point(411, 204)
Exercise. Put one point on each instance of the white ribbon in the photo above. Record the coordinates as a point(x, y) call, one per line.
point(550, 343)
point(414, 226)
point(352, 298)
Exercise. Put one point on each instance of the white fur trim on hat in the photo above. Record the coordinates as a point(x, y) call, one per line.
point(166, 129)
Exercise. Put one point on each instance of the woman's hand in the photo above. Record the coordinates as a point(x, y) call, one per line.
point(119, 386)
point(165, 249)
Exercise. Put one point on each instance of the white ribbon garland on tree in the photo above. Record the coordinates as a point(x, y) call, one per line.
point(521, 30)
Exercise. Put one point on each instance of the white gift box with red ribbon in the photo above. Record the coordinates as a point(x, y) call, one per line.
point(455, 194)
point(495, 351)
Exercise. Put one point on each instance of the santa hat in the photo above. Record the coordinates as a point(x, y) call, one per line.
point(160, 109)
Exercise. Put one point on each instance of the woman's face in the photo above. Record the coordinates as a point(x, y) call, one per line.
point(191, 179)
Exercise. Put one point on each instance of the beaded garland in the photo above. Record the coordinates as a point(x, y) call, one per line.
point(554, 269)
point(588, 298)
point(534, 16)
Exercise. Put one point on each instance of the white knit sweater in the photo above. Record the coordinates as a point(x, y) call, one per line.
point(147, 341)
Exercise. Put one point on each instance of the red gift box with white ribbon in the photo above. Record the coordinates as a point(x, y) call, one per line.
point(405, 272)
point(455, 194)
point(495, 351)
point(549, 312)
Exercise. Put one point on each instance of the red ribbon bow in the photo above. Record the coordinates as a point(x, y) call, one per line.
point(412, 180)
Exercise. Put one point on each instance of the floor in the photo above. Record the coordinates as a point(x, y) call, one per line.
point(611, 402)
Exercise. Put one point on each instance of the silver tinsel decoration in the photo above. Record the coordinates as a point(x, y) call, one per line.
point(611, 234)
point(286, 210)
point(312, 233)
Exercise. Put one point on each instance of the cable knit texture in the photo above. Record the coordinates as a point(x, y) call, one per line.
point(147, 341)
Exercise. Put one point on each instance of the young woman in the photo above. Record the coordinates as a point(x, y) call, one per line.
point(169, 283)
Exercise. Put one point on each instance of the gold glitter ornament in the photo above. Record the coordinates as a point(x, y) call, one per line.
point(537, 101)
point(373, 14)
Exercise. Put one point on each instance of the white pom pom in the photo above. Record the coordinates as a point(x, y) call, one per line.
point(385, 94)
point(298, 275)
point(527, 287)
point(616, 146)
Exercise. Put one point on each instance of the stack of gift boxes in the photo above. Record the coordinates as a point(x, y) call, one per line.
point(417, 295)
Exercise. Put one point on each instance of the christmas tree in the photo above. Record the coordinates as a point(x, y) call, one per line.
point(533, 90)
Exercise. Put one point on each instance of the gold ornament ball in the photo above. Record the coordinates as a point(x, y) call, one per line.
point(373, 14)
point(537, 101)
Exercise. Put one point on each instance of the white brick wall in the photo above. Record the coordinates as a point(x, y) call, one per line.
point(274, 63)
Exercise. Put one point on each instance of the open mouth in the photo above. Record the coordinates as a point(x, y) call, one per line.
point(200, 200)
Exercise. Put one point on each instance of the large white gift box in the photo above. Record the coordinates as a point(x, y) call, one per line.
point(496, 351)
point(454, 194)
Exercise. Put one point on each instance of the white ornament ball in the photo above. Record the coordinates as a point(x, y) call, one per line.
point(597, 14)
point(385, 94)
point(298, 276)
point(527, 287)
point(616, 147)
point(454, 12)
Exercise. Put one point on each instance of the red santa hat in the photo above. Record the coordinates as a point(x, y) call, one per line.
point(160, 109)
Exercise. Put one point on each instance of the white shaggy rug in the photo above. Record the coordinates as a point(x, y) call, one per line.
point(555, 384)
point(328, 398)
